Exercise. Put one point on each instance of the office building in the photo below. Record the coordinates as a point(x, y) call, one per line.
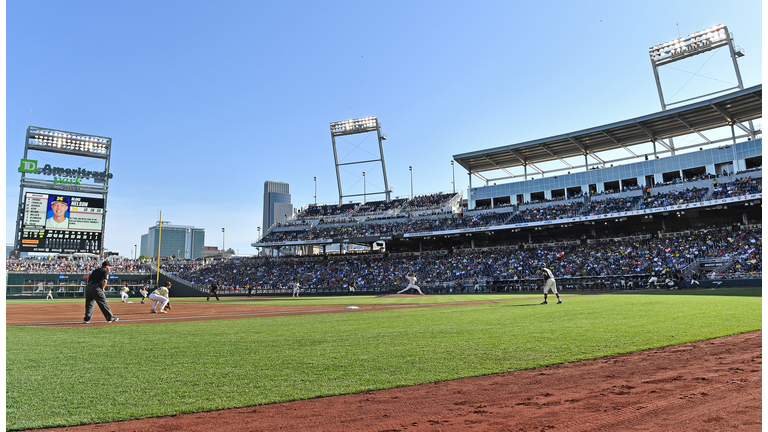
point(277, 203)
point(181, 241)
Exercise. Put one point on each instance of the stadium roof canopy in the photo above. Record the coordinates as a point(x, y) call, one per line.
point(734, 109)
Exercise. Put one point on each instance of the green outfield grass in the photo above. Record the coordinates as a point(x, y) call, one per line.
point(70, 376)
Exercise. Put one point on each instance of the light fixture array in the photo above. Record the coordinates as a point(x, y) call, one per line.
point(698, 41)
point(68, 141)
point(360, 124)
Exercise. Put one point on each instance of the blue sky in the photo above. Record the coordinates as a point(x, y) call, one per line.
point(204, 101)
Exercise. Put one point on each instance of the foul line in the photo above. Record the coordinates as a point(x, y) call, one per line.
point(197, 316)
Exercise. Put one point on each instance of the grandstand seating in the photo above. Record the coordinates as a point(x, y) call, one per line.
point(615, 263)
point(591, 264)
point(354, 225)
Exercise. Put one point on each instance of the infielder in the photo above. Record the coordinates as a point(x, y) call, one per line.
point(214, 289)
point(50, 294)
point(653, 280)
point(160, 296)
point(144, 294)
point(124, 293)
point(550, 285)
point(411, 284)
point(296, 289)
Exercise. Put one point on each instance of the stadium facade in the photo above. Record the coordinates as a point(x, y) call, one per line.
point(689, 147)
point(722, 121)
point(717, 161)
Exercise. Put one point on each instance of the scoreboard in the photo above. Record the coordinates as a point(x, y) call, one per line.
point(62, 223)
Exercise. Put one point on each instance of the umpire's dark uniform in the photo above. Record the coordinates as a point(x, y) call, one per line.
point(94, 292)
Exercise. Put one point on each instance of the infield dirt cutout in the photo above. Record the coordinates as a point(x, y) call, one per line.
point(712, 385)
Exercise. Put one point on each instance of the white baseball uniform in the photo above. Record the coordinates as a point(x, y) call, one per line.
point(411, 284)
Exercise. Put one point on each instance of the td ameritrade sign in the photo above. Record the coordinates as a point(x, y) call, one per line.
point(30, 166)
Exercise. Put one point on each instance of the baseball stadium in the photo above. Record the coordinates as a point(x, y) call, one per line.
point(645, 233)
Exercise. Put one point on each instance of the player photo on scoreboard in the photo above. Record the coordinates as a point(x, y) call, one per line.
point(58, 212)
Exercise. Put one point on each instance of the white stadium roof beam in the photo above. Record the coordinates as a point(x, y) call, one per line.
point(693, 129)
point(744, 105)
point(606, 133)
point(586, 152)
point(732, 120)
point(525, 163)
point(654, 139)
point(556, 156)
point(502, 169)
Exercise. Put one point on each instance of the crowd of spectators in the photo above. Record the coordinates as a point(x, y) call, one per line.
point(611, 205)
point(488, 207)
point(317, 211)
point(288, 235)
point(423, 202)
point(67, 265)
point(405, 223)
point(673, 197)
point(679, 180)
point(551, 212)
point(291, 223)
point(373, 207)
point(623, 257)
point(615, 191)
point(410, 225)
point(338, 221)
point(627, 257)
point(743, 186)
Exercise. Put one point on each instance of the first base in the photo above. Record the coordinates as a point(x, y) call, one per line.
point(351, 307)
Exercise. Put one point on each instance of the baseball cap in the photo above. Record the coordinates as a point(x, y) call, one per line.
point(106, 263)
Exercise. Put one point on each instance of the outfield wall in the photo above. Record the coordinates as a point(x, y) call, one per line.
point(72, 285)
point(27, 285)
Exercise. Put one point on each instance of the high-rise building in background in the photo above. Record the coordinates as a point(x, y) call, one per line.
point(277, 203)
point(181, 241)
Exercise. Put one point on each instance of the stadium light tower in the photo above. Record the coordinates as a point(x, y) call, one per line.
point(696, 43)
point(358, 126)
point(453, 170)
point(410, 168)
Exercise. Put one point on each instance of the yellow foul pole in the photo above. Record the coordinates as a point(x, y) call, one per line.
point(159, 239)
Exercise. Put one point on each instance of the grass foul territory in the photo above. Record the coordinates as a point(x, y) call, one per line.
point(69, 376)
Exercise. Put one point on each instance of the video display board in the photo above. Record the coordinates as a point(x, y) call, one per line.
point(62, 223)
